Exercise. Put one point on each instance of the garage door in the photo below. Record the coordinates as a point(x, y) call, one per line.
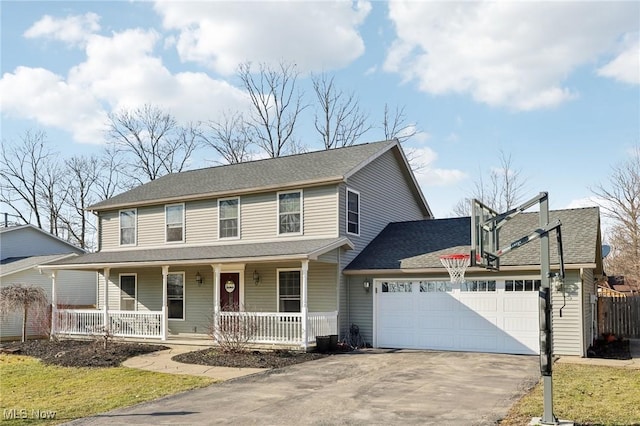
point(477, 316)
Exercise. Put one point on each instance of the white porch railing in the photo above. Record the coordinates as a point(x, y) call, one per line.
point(280, 327)
point(264, 327)
point(89, 322)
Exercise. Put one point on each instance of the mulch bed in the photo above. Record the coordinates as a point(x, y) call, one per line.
point(247, 359)
point(90, 353)
point(610, 347)
point(79, 353)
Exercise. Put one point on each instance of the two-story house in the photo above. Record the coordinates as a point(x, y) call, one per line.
point(266, 239)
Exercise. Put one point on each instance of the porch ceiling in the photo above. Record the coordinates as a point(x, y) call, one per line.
point(236, 253)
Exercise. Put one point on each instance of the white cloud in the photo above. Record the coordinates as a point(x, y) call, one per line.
point(73, 30)
point(317, 36)
point(119, 71)
point(507, 54)
point(429, 175)
point(626, 66)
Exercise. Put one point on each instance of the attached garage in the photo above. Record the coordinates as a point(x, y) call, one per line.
point(479, 317)
point(411, 303)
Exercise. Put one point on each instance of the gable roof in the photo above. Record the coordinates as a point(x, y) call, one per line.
point(419, 244)
point(291, 171)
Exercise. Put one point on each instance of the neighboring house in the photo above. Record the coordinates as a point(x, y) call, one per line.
point(616, 286)
point(287, 243)
point(413, 304)
point(22, 249)
point(266, 238)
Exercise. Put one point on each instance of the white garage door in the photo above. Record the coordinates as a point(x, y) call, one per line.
point(477, 316)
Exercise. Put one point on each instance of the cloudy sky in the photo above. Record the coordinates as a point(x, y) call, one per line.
point(555, 85)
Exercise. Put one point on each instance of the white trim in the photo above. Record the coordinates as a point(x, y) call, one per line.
point(184, 295)
point(135, 291)
point(346, 211)
point(278, 270)
point(301, 232)
point(135, 227)
point(237, 237)
point(184, 225)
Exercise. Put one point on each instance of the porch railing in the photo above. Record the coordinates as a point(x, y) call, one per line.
point(89, 322)
point(280, 328)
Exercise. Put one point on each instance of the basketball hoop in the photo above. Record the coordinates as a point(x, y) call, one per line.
point(456, 264)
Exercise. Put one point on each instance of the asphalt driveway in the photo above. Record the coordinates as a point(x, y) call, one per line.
point(375, 387)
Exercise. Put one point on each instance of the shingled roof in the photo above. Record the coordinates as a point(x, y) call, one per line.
point(419, 244)
point(293, 170)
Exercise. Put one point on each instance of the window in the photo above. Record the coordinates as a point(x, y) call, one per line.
point(128, 227)
point(174, 220)
point(175, 295)
point(478, 286)
point(522, 285)
point(128, 292)
point(290, 212)
point(396, 287)
point(229, 218)
point(435, 286)
point(289, 291)
point(353, 212)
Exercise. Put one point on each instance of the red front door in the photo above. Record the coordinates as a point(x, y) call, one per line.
point(230, 291)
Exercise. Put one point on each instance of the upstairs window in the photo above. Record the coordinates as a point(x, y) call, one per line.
point(290, 212)
point(353, 212)
point(174, 220)
point(229, 218)
point(128, 227)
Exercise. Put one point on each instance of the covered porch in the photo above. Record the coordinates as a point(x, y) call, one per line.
point(287, 300)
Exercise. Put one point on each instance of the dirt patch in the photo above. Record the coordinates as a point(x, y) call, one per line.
point(248, 359)
point(80, 353)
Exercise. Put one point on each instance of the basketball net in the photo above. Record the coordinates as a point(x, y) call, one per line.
point(456, 265)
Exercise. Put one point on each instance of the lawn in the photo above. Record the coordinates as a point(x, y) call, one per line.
point(585, 394)
point(30, 389)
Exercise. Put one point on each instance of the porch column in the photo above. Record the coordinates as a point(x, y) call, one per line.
point(216, 298)
point(54, 304)
point(165, 303)
point(106, 321)
point(304, 310)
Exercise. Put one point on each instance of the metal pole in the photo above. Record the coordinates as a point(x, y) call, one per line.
point(546, 329)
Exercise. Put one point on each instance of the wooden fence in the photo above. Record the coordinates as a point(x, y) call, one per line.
point(620, 316)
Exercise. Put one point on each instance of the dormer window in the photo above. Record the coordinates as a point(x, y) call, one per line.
point(290, 212)
point(128, 227)
point(229, 218)
point(174, 222)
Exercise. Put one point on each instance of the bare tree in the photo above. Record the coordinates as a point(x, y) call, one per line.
point(22, 297)
point(620, 202)
point(53, 194)
point(83, 174)
point(231, 138)
point(276, 105)
point(502, 191)
point(153, 141)
point(338, 118)
point(111, 179)
point(22, 169)
point(396, 126)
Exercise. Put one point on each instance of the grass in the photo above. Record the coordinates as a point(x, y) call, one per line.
point(29, 388)
point(587, 395)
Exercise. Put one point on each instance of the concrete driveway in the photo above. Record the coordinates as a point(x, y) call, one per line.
point(374, 387)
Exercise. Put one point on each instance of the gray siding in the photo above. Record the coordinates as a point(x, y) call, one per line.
point(258, 220)
point(590, 330)
point(567, 331)
point(25, 242)
point(385, 197)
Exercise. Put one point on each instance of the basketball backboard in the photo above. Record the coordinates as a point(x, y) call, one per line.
point(484, 236)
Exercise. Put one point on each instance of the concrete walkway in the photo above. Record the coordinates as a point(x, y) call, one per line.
point(161, 362)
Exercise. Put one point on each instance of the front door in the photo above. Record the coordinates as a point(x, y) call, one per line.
point(230, 291)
